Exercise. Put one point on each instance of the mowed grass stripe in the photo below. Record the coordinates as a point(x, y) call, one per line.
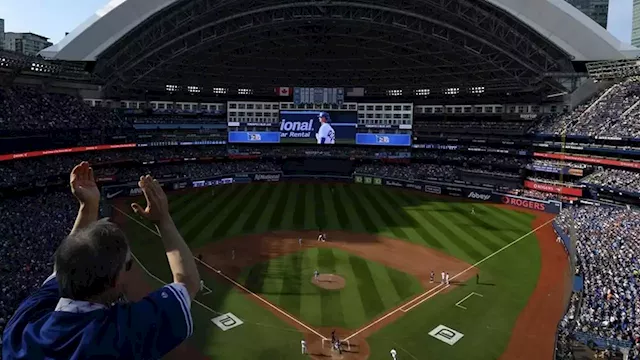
point(413, 207)
point(291, 283)
point(287, 214)
point(404, 284)
point(319, 207)
point(251, 222)
point(310, 218)
point(483, 222)
point(345, 215)
point(359, 210)
point(254, 279)
point(238, 207)
point(462, 238)
point(250, 207)
point(371, 302)
point(367, 210)
point(280, 203)
point(399, 226)
point(310, 299)
point(383, 285)
point(262, 224)
point(300, 209)
point(350, 294)
point(182, 214)
point(331, 312)
point(330, 208)
point(195, 222)
point(207, 228)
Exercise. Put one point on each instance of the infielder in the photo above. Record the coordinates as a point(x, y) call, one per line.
point(431, 276)
point(316, 274)
point(300, 241)
point(394, 354)
point(442, 278)
point(320, 237)
point(304, 346)
point(326, 134)
point(447, 278)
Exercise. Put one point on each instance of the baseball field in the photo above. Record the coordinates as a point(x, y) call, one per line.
point(258, 250)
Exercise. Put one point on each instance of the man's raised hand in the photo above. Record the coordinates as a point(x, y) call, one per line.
point(83, 185)
point(157, 209)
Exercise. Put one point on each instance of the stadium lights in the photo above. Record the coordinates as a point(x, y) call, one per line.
point(422, 92)
point(194, 89)
point(39, 67)
point(477, 90)
point(219, 90)
point(171, 88)
point(394, 92)
point(451, 91)
point(245, 91)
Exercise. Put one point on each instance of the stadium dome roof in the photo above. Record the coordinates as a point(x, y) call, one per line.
point(496, 44)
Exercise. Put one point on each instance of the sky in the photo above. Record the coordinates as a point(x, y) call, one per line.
point(52, 18)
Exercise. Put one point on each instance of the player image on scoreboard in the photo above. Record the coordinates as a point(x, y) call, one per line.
point(319, 127)
point(326, 134)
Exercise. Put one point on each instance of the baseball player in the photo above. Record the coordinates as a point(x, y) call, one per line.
point(304, 346)
point(326, 134)
point(233, 254)
point(320, 237)
point(394, 354)
point(333, 336)
point(447, 278)
point(299, 241)
point(201, 285)
point(316, 274)
point(337, 347)
point(324, 237)
point(473, 210)
point(442, 278)
point(431, 276)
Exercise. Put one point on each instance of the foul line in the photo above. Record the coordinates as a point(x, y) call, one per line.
point(438, 289)
point(224, 276)
point(259, 298)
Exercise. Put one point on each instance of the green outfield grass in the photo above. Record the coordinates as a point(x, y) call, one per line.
point(286, 282)
point(507, 280)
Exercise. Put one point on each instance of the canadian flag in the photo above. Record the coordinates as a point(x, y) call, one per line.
point(283, 91)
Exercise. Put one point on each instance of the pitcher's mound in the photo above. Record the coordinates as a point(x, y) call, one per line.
point(329, 281)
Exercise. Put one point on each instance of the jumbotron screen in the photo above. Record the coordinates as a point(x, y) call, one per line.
point(319, 127)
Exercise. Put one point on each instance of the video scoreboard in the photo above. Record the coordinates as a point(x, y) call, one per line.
point(321, 125)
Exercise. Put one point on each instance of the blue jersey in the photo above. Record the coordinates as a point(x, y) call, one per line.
point(46, 326)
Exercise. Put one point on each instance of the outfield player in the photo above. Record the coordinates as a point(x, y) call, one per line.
point(394, 354)
point(326, 134)
point(316, 274)
point(71, 315)
point(304, 346)
point(473, 210)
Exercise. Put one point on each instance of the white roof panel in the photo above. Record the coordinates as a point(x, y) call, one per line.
point(560, 22)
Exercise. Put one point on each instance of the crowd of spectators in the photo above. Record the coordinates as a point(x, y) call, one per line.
point(29, 108)
point(612, 113)
point(30, 231)
point(420, 171)
point(608, 258)
point(560, 163)
point(472, 126)
point(616, 179)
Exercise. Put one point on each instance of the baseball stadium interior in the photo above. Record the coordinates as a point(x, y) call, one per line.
point(455, 106)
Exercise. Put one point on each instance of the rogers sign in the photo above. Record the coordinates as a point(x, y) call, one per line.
point(527, 204)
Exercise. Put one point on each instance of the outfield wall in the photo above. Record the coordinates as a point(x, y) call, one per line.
point(457, 189)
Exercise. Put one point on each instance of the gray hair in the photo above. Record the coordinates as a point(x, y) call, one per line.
point(88, 261)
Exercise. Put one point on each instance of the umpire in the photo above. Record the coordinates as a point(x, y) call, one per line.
point(75, 314)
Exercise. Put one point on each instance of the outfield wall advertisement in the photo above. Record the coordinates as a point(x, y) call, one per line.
point(459, 191)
